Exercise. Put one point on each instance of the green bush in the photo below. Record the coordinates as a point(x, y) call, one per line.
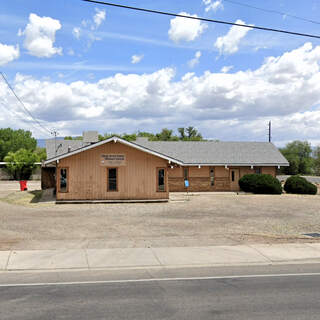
point(299, 185)
point(21, 164)
point(260, 184)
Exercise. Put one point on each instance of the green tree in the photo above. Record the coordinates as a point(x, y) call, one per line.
point(13, 140)
point(316, 161)
point(166, 135)
point(189, 134)
point(298, 153)
point(73, 138)
point(182, 133)
point(20, 164)
point(41, 154)
point(125, 136)
point(144, 134)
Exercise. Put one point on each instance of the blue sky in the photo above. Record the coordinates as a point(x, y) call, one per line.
point(80, 66)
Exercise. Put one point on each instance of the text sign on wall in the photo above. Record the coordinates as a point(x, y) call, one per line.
point(115, 160)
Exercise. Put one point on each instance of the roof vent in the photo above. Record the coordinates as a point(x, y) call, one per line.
point(69, 149)
point(90, 136)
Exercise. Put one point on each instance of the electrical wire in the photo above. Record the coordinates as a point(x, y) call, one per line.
point(20, 118)
point(23, 105)
point(203, 19)
point(271, 11)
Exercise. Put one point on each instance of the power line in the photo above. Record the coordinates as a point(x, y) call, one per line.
point(203, 19)
point(23, 105)
point(21, 118)
point(271, 11)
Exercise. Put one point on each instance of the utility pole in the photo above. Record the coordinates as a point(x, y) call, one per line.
point(55, 140)
point(269, 131)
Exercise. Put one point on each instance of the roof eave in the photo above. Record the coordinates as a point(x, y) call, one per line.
point(238, 164)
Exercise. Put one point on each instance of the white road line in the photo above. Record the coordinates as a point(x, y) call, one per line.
point(159, 279)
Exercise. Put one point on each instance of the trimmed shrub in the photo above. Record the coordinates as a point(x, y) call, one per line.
point(260, 184)
point(299, 185)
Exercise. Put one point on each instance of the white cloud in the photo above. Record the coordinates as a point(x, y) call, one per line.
point(89, 27)
point(213, 5)
point(229, 43)
point(76, 31)
point(229, 106)
point(40, 36)
point(185, 29)
point(194, 61)
point(226, 69)
point(136, 58)
point(99, 17)
point(8, 53)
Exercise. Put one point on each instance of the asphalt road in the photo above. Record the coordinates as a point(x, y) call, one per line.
point(236, 297)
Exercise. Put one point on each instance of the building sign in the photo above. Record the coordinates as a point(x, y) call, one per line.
point(113, 160)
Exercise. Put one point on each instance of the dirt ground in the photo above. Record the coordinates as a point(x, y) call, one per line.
point(196, 220)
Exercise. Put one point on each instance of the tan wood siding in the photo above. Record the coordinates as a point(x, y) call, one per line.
point(196, 172)
point(175, 172)
point(199, 179)
point(269, 170)
point(136, 180)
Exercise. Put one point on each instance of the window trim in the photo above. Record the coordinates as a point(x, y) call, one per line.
point(157, 179)
point(214, 176)
point(117, 177)
point(59, 179)
point(188, 177)
point(257, 169)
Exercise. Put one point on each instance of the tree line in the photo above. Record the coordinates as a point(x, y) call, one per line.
point(183, 134)
point(18, 147)
point(302, 159)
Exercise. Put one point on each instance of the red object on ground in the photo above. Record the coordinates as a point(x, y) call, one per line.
point(23, 185)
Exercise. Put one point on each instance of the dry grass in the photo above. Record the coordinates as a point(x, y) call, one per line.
point(23, 198)
point(206, 219)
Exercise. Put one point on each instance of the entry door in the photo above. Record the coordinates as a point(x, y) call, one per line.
point(234, 180)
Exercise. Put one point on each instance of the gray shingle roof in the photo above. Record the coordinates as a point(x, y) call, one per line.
point(218, 152)
point(195, 152)
point(62, 146)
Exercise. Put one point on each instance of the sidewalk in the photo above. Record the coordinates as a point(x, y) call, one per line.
point(86, 259)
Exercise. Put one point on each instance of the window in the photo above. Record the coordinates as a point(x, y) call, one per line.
point(232, 175)
point(211, 176)
point(112, 179)
point(257, 170)
point(63, 180)
point(161, 180)
point(185, 174)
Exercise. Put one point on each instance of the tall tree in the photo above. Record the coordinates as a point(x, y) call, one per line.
point(166, 135)
point(298, 153)
point(182, 133)
point(13, 140)
point(190, 133)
